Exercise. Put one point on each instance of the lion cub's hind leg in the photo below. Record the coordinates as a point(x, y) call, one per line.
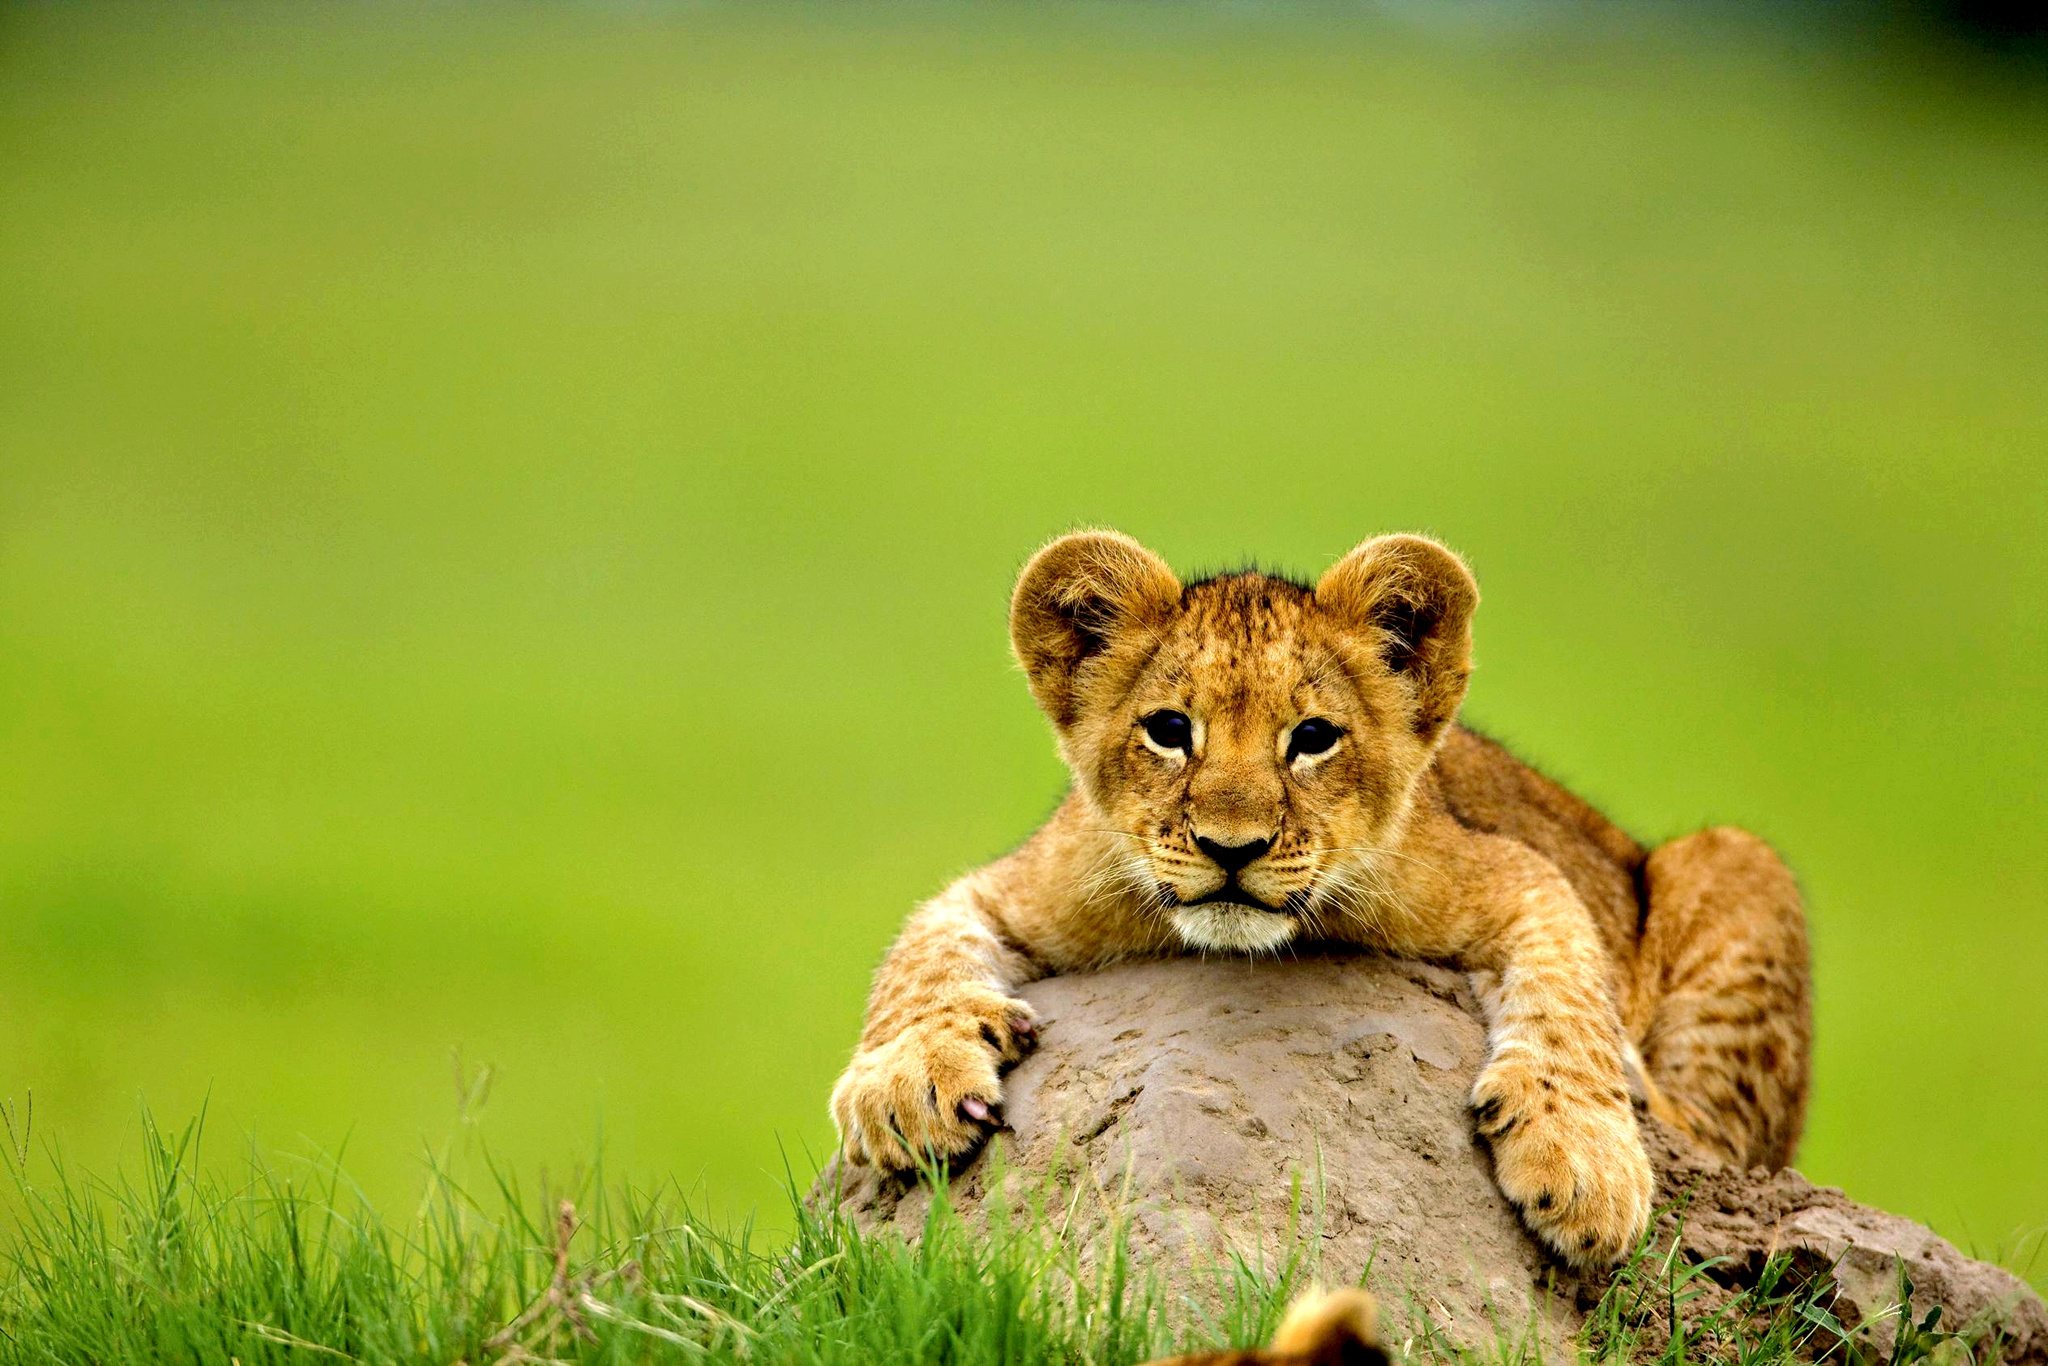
point(1719, 1000)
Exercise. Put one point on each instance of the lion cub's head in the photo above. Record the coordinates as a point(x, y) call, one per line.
point(1253, 743)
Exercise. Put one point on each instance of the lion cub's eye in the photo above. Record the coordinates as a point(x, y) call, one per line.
point(1169, 730)
point(1312, 736)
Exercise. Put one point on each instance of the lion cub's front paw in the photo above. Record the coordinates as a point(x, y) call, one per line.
point(933, 1090)
point(1568, 1156)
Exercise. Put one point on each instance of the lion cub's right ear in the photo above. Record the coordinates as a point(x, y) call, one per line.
point(1077, 602)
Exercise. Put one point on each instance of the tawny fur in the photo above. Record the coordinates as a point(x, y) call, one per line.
point(1679, 974)
point(1322, 1328)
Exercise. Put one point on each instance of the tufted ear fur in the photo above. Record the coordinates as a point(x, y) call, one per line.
point(1413, 599)
point(1332, 1328)
point(1321, 1328)
point(1076, 601)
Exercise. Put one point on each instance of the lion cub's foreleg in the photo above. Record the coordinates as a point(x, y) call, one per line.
point(941, 1024)
point(1553, 1099)
point(1720, 999)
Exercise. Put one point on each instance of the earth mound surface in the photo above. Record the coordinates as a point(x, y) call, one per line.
point(1205, 1102)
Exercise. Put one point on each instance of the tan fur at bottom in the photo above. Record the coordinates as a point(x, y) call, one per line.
point(1259, 764)
point(1322, 1328)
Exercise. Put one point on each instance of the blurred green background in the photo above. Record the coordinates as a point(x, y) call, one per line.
point(506, 518)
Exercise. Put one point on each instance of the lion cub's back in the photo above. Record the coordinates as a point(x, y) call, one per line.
point(1487, 788)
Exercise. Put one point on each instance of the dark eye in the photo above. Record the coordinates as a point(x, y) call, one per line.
point(1170, 730)
point(1312, 736)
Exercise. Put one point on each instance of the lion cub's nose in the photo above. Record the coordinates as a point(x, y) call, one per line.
point(1231, 857)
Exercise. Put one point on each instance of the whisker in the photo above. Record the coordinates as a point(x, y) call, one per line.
point(1377, 851)
point(1113, 830)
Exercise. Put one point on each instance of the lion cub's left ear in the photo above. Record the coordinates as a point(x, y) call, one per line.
point(1414, 600)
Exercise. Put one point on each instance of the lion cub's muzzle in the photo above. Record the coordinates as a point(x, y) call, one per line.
point(1243, 884)
point(1250, 907)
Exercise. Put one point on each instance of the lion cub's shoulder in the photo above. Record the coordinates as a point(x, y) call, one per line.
point(1485, 787)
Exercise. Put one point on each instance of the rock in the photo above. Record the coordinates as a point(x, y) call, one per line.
point(1196, 1098)
point(1743, 1217)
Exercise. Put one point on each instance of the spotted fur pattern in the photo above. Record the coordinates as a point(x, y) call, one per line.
point(1610, 976)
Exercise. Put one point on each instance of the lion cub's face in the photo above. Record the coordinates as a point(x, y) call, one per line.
point(1246, 764)
point(1252, 743)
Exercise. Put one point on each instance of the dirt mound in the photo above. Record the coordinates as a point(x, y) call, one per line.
point(1197, 1097)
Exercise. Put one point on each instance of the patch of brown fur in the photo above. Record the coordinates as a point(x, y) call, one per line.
point(1596, 962)
point(1322, 1328)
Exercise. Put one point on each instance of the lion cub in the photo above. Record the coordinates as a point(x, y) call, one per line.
point(1322, 1328)
point(1258, 763)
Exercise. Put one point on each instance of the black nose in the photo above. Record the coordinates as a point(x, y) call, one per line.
point(1231, 857)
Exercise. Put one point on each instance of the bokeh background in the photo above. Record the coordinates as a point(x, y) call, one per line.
point(506, 516)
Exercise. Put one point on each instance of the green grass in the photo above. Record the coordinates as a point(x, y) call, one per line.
point(272, 1262)
point(506, 517)
point(283, 1263)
